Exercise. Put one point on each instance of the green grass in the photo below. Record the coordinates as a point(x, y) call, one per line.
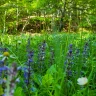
point(56, 78)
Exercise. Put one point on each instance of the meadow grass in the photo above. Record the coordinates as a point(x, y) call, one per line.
point(56, 62)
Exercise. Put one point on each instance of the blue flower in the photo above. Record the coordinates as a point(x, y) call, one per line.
point(70, 51)
point(30, 60)
point(4, 68)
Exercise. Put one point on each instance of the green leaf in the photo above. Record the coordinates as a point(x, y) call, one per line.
point(47, 80)
point(51, 70)
point(37, 79)
point(1, 90)
point(18, 92)
point(58, 86)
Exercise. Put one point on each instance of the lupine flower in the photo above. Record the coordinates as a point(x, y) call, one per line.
point(69, 61)
point(41, 55)
point(85, 50)
point(3, 68)
point(41, 49)
point(70, 50)
point(25, 70)
point(82, 81)
point(28, 67)
point(86, 55)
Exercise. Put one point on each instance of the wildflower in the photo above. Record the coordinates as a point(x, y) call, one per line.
point(86, 49)
point(82, 81)
point(6, 54)
point(69, 61)
point(4, 68)
point(42, 48)
point(70, 52)
point(25, 70)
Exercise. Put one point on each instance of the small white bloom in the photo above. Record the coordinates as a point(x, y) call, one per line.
point(5, 57)
point(82, 81)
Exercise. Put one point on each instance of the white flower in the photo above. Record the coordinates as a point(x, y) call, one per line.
point(82, 81)
point(6, 55)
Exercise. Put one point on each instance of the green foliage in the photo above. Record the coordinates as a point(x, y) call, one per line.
point(54, 80)
point(92, 19)
point(1, 90)
point(47, 80)
point(38, 79)
point(18, 92)
point(72, 12)
point(52, 70)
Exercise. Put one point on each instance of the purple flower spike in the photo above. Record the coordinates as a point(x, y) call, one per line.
point(4, 68)
point(30, 60)
point(70, 51)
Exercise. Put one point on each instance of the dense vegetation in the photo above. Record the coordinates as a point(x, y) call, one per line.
point(47, 48)
point(49, 15)
point(48, 64)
